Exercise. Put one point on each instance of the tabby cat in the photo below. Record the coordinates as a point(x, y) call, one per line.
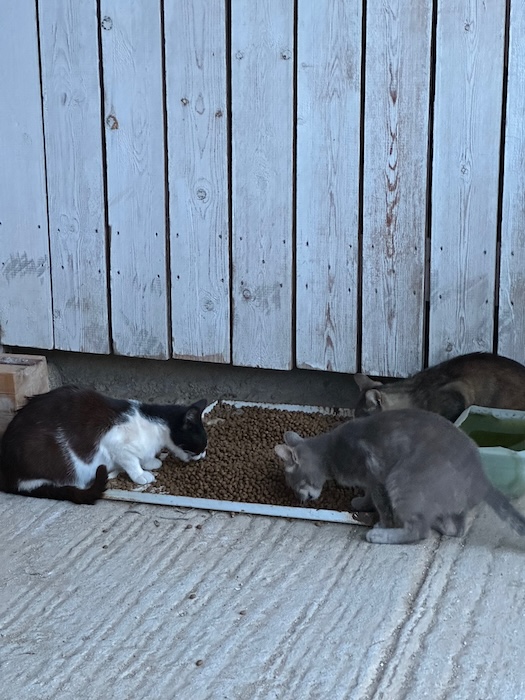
point(450, 387)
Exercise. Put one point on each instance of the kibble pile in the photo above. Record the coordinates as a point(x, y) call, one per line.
point(240, 463)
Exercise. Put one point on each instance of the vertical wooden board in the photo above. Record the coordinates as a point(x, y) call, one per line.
point(329, 40)
point(198, 178)
point(262, 131)
point(25, 284)
point(72, 119)
point(398, 47)
point(134, 122)
point(467, 127)
point(511, 322)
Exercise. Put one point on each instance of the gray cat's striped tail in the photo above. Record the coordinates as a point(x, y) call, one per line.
point(506, 511)
point(73, 493)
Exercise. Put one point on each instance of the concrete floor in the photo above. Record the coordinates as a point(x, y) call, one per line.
point(120, 601)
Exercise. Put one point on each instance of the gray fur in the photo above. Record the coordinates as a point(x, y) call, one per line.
point(420, 471)
point(450, 387)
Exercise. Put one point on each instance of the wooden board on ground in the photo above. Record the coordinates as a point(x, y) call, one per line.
point(21, 376)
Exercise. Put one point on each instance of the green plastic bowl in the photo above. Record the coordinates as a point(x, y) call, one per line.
point(500, 436)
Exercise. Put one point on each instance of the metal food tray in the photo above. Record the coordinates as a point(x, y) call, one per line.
point(317, 514)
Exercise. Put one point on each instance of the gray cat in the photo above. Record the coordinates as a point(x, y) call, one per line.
point(448, 388)
point(420, 471)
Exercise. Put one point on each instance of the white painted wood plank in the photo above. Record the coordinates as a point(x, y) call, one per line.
point(398, 44)
point(467, 123)
point(134, 123)
point(25, 284)
point(262, 129)
point(198, 178)
point(511, 338)
point(328, 149)
point(72, 119)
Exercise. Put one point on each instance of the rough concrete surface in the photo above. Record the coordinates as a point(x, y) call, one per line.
point(119, 601)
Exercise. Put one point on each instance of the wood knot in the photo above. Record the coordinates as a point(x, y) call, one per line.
point(112, 121)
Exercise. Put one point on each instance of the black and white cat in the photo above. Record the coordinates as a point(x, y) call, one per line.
point(420, 471)
point(66, 443)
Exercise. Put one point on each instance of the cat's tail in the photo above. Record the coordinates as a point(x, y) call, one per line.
point(506, 511)
point(73, 493)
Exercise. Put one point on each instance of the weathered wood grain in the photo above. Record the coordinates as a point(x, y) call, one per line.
point(25, 284)
point(398, 44)
point(467, 124)
point(169, 291)
point(134, 123)
point(511, 322)
point(72, 120)
point(197, 114)
point(328, 149)
point(262, 130)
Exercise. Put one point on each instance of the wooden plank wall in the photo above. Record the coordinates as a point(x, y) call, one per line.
point(134, 135)
point(262, 57)
point(336, 186)
point(395, 185)
point(75, 175)
point(328, 156)
point(25, 283)
point(197, 144)
point(512, 277)
point(465, 179)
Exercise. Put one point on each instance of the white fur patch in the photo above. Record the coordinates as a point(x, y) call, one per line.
point(130, 446)
point(127, 447)
point(309, 493)
point(32, 484)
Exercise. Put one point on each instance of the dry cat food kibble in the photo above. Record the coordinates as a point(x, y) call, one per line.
point(240, 463)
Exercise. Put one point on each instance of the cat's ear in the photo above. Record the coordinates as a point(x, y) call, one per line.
point(373, 399)
point(364, 382)
point(292, 439)
point(288, 456)
point(283, 452)
point(194, 412)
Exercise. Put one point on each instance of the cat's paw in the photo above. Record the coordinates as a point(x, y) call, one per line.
point(152, 463)
point(378, 535)
point(144, 478)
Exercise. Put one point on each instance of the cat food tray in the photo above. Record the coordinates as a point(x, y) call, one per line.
point(241, 473)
